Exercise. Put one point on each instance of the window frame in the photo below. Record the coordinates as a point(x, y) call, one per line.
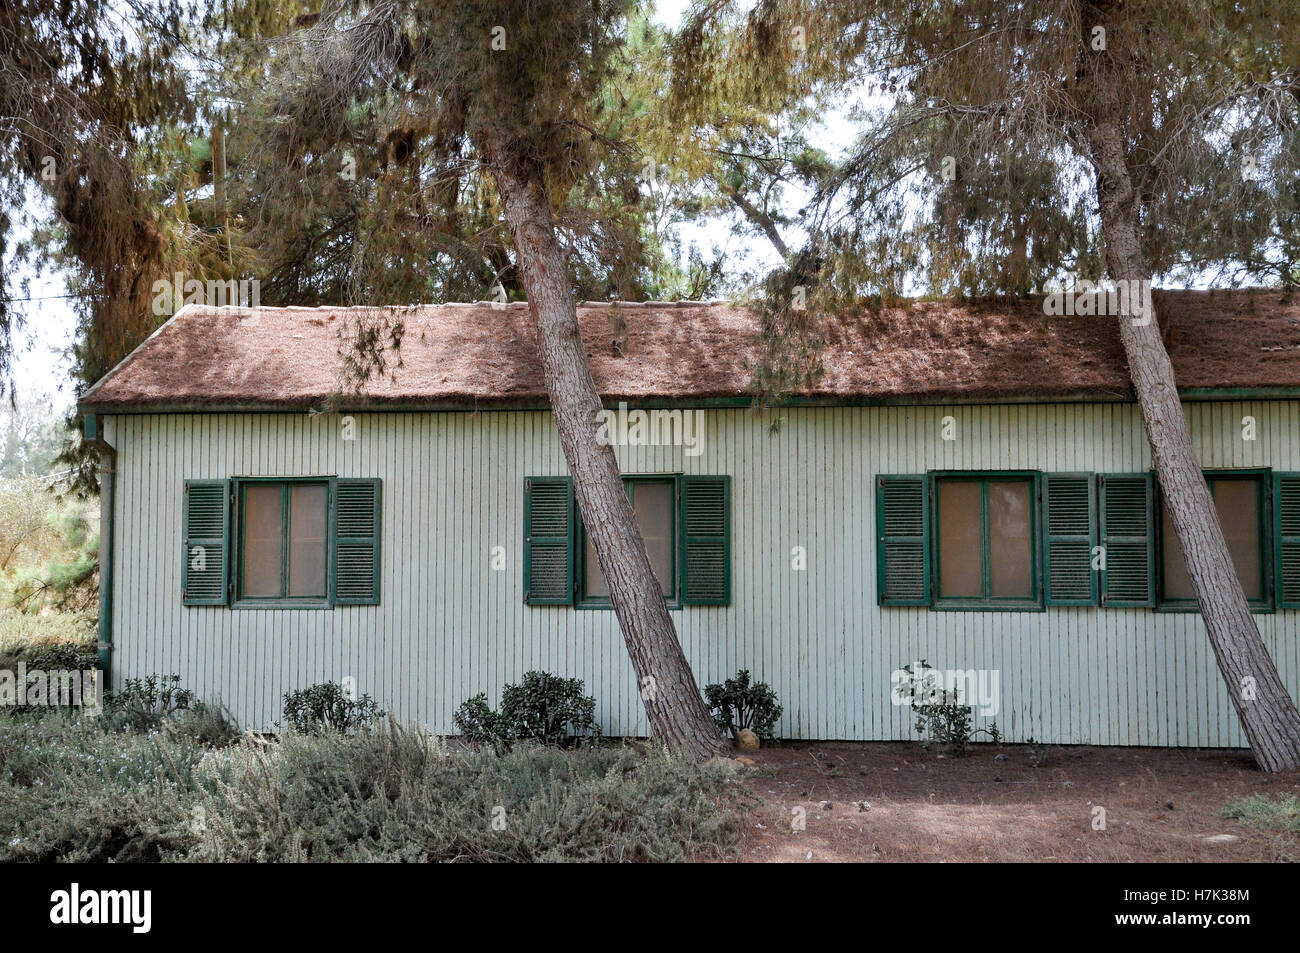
point(1035, 602)
point(580, 598)
point(241, 601)
point(1263, 477)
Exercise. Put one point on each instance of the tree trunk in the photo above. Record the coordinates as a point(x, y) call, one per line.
point(1267, 713)
point(219, 185)
point(672, 699)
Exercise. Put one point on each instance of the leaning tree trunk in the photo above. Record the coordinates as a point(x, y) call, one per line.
point(668, 689)
point(1267, 713)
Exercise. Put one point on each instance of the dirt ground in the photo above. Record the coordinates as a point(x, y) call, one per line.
point(1007, 803)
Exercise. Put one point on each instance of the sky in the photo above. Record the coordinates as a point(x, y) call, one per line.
point(41, 365)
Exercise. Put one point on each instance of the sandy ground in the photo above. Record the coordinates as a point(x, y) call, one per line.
point(899, 802)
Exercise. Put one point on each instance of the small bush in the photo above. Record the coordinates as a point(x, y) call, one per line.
point(940, 718)
point(329, 707)
point(479, 724)
point(32, 638)
point(543, 708)
point(736, 704)
point(143, 704)
point(62, 656)
point(212, 726)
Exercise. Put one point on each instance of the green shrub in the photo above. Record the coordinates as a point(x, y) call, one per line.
point(329, 707)
point(479, 724)
point(736, 704)
point(26, 637)
point(212, 726)
point(940, 718)
point(143, 704)
point(548, 709)
point(544, 708)
point(63, 656)
point(70, 791)
point(399, 795)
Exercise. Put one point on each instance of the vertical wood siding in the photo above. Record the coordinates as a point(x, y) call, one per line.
point(448, 626)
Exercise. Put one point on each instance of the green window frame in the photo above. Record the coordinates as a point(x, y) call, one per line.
point(586, 600)
point(1264, 488)
point(555, 541)
point(986, 600)
point(214, 533)
point(1077, 517)
point(282, 598)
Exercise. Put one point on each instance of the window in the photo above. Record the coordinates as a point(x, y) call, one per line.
point(1240, 501)
point(974, 540)
point(986, 540)
point(654, 506)
point(684, 519)
point(263, 543)
point(283, 529)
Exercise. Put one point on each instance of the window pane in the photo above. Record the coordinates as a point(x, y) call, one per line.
point(1237, 501)
point(959, 539)
point(1178, 585)
point(653, 503)
point(262, 540)
point(307, 539)
point(595, 583)
point(1011, 545)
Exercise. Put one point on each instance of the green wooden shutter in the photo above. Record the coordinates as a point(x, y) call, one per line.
point(1127, 502)
point(903, 540)
point(1286, 508)
point(1069, 533)
point(205, 564)
point(706, 540)
point(356, 542)
point(548, 541)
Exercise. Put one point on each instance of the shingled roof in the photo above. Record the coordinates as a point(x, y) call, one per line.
point(478, 355)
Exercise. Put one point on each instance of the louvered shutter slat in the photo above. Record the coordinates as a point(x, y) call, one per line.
point(205, 567)
point(356, 546)
point(1128, 535)
point(903, 550)
point(1069, 503)
point(706, 540)
point(548, 541)
point(1286, 500)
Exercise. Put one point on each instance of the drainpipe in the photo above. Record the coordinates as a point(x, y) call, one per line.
point(107, 472)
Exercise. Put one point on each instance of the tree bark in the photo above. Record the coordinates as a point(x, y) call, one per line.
point(672, 699)
point(1267, 713)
